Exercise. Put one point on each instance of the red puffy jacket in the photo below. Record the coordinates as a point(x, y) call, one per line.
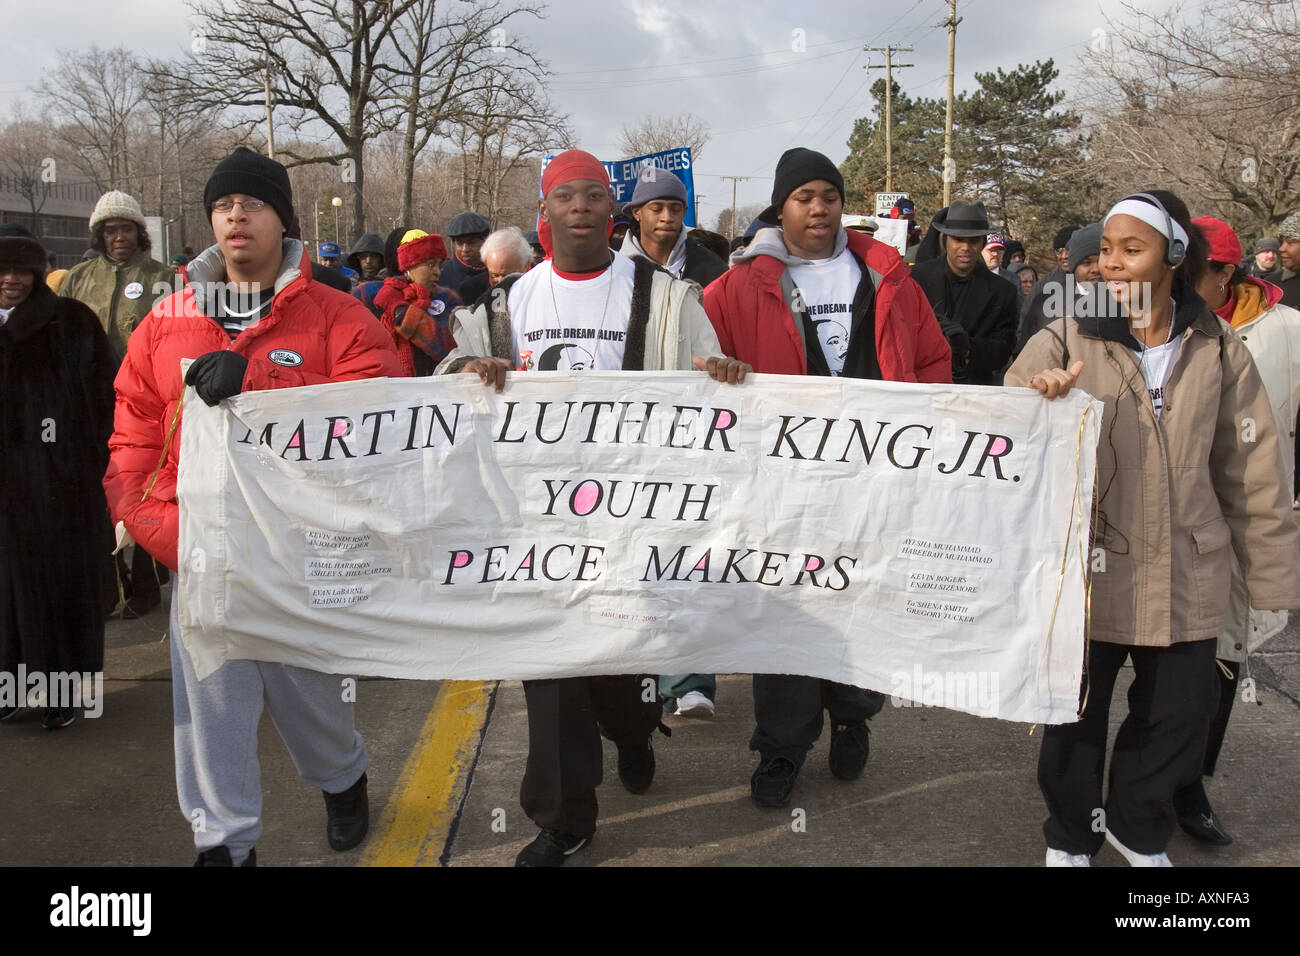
point(755, 325)
point(327, 335)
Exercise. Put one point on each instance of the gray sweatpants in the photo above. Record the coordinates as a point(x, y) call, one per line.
point(218, 779)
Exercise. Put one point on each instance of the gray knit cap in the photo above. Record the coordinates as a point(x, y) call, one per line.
point(1083, 243)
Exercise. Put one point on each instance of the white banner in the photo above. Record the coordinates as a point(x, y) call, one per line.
point(923, 541)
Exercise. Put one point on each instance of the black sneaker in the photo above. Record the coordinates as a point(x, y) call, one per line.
point(773, 782)
point(57, 718)
point(1205, 827)
point(551, 848)
point(850, 744)
point(348, 816)
point(636, 767)
point(220, 856)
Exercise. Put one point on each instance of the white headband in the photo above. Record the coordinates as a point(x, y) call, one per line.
point(1149, 214)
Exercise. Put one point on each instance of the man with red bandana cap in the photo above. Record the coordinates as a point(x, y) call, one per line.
point(585, 307)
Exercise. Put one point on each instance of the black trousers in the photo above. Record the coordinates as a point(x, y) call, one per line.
point(1159, 749)
point(788, 712)
point(1192, 798)
point(566, 717)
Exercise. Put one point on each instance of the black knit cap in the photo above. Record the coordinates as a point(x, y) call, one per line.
point(1062, 240)
point(251, 174)
point(796, 167)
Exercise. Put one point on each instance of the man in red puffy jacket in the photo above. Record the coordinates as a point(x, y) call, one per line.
point(251, 318)
point(807, 297)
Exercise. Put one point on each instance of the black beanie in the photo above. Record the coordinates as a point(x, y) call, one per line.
point(251, 174)
point(796, 167)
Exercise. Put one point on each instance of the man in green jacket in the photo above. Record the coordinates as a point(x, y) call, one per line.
point(122, 283)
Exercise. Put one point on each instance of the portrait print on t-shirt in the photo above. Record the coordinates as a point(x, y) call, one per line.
point(825, 288)
point(834, 337)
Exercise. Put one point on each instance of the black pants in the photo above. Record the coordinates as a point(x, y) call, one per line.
point(1192, 798)
point(565, 720)
point(1159, 749)
point(788, 712)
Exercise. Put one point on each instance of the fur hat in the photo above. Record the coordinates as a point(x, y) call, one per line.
point(21, 248)
point(1290, 228)
point(116, 205)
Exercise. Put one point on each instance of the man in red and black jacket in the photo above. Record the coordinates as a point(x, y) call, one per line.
point(251, 318)
point(807, 297)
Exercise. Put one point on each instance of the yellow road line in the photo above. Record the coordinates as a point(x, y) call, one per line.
point(415, 825)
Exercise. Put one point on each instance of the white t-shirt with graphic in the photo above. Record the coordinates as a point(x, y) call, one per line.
point(588, 331)
point(1156, 364)
point(827, 287)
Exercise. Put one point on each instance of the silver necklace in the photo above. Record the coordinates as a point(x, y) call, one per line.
point(609, 289)
point(225, 304)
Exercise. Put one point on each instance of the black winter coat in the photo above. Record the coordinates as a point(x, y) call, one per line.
point(987, 311)
point(56, 415)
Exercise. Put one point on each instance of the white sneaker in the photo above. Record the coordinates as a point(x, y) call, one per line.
point(1061, 858)
point(694, 704)
point(1134, 857)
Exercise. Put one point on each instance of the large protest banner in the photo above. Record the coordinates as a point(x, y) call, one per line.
point(624, 173)
point(926, 541)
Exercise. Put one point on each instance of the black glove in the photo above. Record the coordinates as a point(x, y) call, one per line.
point(217, 375)
point(958, 340)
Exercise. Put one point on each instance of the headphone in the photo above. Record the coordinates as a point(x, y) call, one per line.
point(1177, 249)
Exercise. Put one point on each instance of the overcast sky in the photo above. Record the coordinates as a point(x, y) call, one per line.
point(734, 64)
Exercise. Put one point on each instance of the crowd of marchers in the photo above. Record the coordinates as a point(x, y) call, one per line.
point(1164, 318)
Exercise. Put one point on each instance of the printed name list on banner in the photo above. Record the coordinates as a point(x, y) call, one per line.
point(897, 537)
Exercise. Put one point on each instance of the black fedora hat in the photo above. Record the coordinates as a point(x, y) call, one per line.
point(965, 220)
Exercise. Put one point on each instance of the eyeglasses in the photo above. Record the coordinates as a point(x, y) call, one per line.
point(249, 205)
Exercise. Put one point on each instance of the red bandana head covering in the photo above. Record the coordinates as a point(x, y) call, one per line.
point(570, 165)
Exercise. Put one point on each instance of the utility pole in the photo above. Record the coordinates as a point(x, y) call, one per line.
point(734, 180)
point(698, 197)
point(889, 68)
point(949, 167)
point(266, 94)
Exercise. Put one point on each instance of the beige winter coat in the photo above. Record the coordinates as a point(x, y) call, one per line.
point(1173, 493)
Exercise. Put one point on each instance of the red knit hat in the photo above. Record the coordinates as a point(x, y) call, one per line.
point(419, 246)
point(1224, 244)
point(570, 165)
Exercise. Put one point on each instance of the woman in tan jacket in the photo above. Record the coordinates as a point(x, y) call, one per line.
point(1189, 471)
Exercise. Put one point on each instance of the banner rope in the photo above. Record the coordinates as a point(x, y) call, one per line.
point(1076, 511)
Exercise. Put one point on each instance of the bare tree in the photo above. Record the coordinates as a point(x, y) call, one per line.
point(447, 64)
point(744, 216)
point(508, 125)
point(321, 60)
point(1209, 102)
point(26, 164)
point(98, 94)
point(654, 134)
